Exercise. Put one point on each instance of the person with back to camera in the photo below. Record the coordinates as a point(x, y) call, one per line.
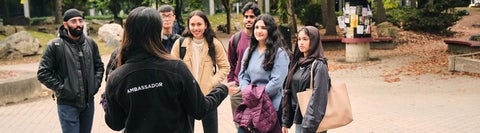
point(152, 91)
point(236, 47)
point(205, 57)
point(71, 66)
point(298, 79)
point(264, 64)
point(168, 38)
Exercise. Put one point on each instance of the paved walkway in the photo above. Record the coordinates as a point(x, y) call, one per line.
point(426, 103)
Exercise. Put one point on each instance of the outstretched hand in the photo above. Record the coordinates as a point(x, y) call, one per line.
point(232, 88)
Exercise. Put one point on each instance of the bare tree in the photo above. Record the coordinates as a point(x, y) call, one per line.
point(291, 19)
point(5, 13)
point(115, 7)
point(226, 4)
point(381, 15)
point(413, 3)
point(331, 21)
point(58, 11)
point(178, 12)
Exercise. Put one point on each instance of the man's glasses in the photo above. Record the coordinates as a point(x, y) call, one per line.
point(167, 16)
point(75, 21)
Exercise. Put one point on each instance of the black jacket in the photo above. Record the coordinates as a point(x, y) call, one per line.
point(72, 69)
point(300, 82)
point(148, 94)
point(166, 41)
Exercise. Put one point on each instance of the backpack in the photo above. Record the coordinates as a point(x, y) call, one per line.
point(236, 38)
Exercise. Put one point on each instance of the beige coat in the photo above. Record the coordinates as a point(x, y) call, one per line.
point(207, 79)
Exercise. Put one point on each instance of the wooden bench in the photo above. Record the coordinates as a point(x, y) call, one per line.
point(332, 43)
point(462, 45)
point(382, 43)
point(335, 43)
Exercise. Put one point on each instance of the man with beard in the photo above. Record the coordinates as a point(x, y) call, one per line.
point(236, 47)
point(71, 66)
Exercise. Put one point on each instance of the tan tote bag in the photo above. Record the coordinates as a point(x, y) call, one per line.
point(338, 112)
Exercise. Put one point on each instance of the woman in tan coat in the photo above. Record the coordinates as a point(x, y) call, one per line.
point(205, 57)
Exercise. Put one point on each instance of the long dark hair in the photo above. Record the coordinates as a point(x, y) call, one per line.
point(209, 34)
point(314, 53)
point(143, 30)
point(273, 42)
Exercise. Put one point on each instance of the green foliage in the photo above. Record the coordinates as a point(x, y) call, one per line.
point(436, 18)
point(397, 15)
point(311, 14)
point(39, 18)
point(462, 12)
point(195, 5)
point(282, 11)
point(390, 4)
point(102, 17)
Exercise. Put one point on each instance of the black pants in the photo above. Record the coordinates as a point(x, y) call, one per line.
point(210, 122)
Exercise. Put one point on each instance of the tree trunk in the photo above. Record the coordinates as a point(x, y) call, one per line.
point(226, 4)
point(115, 8)
point(331, 22)
point(260, 5)
point(292, 22)
point(381, 15)
point(413, 3)
point(324, 7)
point(422, 3)
point(5, 12)
point(178, 12)
point(58, 12)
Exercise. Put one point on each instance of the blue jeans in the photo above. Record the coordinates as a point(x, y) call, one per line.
point(76, 120)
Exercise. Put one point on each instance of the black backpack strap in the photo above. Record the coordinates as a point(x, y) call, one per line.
point(236, 39)
point(59, 51)
point(182, 49)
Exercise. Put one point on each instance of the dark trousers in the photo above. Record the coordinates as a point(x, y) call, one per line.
point(210, 122)
point(76, 120)
point(235, 101)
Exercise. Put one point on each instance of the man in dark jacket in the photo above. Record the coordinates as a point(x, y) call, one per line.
point(167, 12)
point(71, 66)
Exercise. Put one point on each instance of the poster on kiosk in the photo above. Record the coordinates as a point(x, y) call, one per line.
point(356, 19)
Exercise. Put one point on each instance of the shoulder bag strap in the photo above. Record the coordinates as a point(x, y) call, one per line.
point(311, 74)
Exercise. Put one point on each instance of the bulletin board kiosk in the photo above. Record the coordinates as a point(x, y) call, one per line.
point(356, 22)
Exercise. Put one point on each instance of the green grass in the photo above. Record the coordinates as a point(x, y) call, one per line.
point(103, 48)
point(221, 18)
point(43, 38)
